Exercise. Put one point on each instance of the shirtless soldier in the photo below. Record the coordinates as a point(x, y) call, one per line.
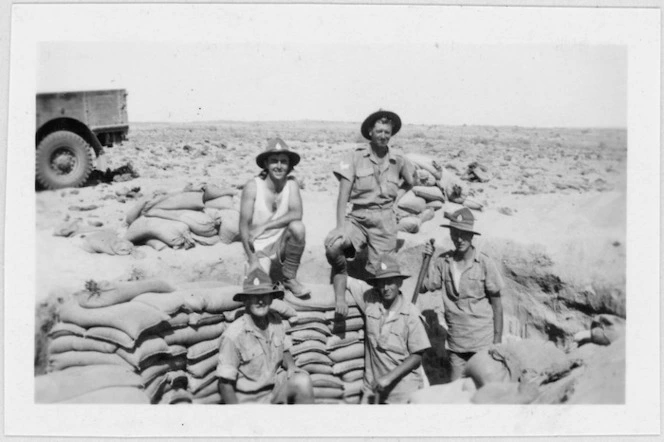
point(372, 178)
point(271, 227)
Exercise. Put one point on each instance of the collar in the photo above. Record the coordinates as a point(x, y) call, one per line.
point(250, 326)
point(476, 255)
point(368, 153)
point(400, 308)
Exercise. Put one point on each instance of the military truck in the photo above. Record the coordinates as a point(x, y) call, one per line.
point(72, 129)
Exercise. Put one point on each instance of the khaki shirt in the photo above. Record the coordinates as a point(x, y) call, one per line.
point(389, 339)
point(373, 183)
point(248, 357)
point(468, 312)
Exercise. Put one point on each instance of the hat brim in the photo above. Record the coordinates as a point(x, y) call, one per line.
point(276, 294)
point(463, 229)
point(293, 157)
point(370, 121)
point(375, 279)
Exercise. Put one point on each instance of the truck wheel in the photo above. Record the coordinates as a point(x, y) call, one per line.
point(63, 160)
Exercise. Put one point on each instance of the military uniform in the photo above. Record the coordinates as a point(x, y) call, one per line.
point(371, 222)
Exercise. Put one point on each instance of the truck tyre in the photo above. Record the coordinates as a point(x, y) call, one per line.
point(63, 159)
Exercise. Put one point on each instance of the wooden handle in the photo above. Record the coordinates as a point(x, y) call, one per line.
point(426, 259)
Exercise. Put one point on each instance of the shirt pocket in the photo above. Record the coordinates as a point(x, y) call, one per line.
point(394, 342)
point(476, 281)
point(392, 180)
point(253, 363)
point(364, 178)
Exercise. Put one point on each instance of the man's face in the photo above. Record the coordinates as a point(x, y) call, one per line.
point(462, 240)
point(381, 134)
point(258, 305)
point(278, 165)
point(389, 288)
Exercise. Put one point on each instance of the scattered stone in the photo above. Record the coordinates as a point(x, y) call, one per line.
point(84, 208)
point(506, 211)
point(95, 223)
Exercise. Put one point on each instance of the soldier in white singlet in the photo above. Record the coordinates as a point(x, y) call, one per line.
point(271, 227)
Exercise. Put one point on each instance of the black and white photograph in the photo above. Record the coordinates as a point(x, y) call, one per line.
point(449, 211)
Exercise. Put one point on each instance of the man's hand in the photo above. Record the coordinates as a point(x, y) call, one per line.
point(334, 236)
point(428, 248)
point(341, 308)
point(381, 384)
point(436, 165)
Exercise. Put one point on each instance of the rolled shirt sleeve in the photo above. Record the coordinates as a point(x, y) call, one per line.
point(408, 171)
point(229, 359)
point(434, 277)
point(345, 168)
point(494, 281)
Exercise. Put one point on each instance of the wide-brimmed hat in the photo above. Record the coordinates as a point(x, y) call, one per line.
point(462, 219)
point(256, 283)
point(388, 267)
point(371, 120)
point(277, 145)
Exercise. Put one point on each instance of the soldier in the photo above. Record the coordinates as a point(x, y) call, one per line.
point(271, 227)
point(471, 285)
point(372, 178)
point(255, 364)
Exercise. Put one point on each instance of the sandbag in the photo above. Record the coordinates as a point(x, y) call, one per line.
point(452, 186)
point(156, 244)
point(106, 334)
point(107, 293)
point(206, 241)
point(60, 361)
point(316, 326)
point(223, 202)
point(482, 369)
point(278, 306)
point(352, 324)
point(347, 353)
point(211, 388)
point(424, 178)
point(353, 388)
point(425, 162)
point(321, 299)
point(201, 368)
point(306, 335)
point(347, 336)
point(111, 395)
point(212, 399)
point(352, 400)
point(435, 205)
point(173, 302)
point(429, 193)
point(177, 396)
point(133, 318)
point(197, 384)
point(146, 348)
point(353, 375)
point(178, 320)
point(205, 318)
point(308, 346)
point(203, 349)
point(77, 343)
point(530, 358)
point(189, 336)
point(412, 203)
point(328, 393)
point(135, 211)
point(314, 368)
point(229, 230)
point(108, 242)
point(199, 222)
point(175, 234)
point(326, 381)
point(505, 393)
point(59, 386)
point(219, 299)
point(409, 224)
point(312, 358)
point(606, 329)
point(170, 364)
point(308, 316)
point(459, 391)
point(180, 200)
point(343, 367)
point(211, 192)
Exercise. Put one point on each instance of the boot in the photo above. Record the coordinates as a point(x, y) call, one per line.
point(293, 254)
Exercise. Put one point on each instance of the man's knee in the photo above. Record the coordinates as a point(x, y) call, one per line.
point(300, 385)
point(296, 230)
point(336, 257)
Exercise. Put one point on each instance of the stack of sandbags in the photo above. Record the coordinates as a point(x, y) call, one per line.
point(330, 349)
point(183, 219)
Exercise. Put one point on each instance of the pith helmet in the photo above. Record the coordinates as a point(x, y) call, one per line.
point(277, 145)
point(257, 282)
point(371, 120)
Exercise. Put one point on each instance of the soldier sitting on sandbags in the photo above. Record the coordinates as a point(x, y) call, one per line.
point(255, 363)
point(271, 227)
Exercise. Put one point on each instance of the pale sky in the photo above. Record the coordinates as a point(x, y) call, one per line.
point(508, 84)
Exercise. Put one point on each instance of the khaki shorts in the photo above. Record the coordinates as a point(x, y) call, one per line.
point(276, 395)
point(375, 229)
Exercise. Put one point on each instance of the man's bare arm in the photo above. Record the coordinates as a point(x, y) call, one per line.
point(246, 214)
point(227, 391)
point(497, 306)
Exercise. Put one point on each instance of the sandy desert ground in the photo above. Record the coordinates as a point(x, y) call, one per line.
point(554, 219)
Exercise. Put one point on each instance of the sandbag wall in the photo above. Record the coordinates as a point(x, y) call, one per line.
point(163, 342)
point(330, 349)
point(184, 219)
